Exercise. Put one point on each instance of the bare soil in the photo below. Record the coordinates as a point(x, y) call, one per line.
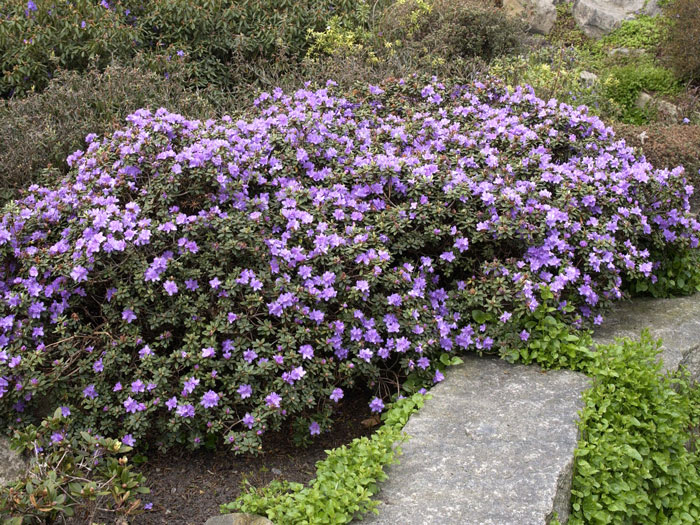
point(187, 488)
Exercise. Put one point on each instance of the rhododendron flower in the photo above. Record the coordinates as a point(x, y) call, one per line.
point(376, 405)
point(273, 400)
point(210, 399)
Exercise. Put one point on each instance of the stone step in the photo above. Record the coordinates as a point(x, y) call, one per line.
point(494, 445)
point(676, 321)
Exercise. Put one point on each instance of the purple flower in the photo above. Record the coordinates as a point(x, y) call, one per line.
point(65, 411)
point(208, 352)
point(129, 440)
point(56, 438)
point(138, 386)
point(145, 352)
point(170, 287)
point(362, 285)
point(171, 403)
point(248, 420)
point(89, 392)
point(245, 391)
point(79, 274)
point(376, 405)
point(132, 406)
point(273, 400)
point(191, 284)
point(314, 428)
point(336, 395)
point(185, 411)
point(524, 335)
point(306, 351)
point(438, 376)
point(210, 399)
point(190, 385)
point(215, 283)
point(128, 315)
point(505, 317)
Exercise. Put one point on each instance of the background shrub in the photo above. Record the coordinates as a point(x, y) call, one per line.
point(208, 281)
point(625, 83)
point(450, 30)
point(41, 130)
point(683, 38)
point(38, 37)
point(666, 146)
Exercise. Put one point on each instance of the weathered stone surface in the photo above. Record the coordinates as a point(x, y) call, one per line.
point(676, 321)
point(539, 14)
point(599, 17)
point(589, 79)
point(666, 111)
point(12, 466)
point(493, 446)
point(238, 519)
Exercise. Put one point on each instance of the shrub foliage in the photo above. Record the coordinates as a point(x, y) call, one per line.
point(39, 36)
point(681, 42)
point(203, 282)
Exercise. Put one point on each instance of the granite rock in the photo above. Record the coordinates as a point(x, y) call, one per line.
point(494, 445)
point(539, 14)
point(676, 321)
point(238, 519)
point(12, 466)
point(599, 17)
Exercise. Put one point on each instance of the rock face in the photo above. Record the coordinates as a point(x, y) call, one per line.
point(12, 466)
point(238, 519)
point(540, 14)
point(676, 321)
point(493, 446)
point(599, 17)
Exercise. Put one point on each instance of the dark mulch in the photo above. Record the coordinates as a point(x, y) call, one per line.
point(187, 488)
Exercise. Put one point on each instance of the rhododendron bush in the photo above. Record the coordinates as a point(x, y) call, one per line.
point(193, 282)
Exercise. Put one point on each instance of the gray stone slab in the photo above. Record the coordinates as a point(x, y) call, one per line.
point(676, 321)
point(12, 466)
point(238, 519)
point(494, 445)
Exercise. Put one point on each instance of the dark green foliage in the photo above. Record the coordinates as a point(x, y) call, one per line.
point(448, 30)
point(219, 35)
point(34, 43)
point(678, 274)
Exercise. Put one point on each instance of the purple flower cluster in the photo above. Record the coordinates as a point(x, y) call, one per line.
point(236, 273)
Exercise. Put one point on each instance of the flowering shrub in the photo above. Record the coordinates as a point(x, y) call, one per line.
point(204, 281)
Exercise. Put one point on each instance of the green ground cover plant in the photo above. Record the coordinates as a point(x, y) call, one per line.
point(345, 481)
point(632, 464)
